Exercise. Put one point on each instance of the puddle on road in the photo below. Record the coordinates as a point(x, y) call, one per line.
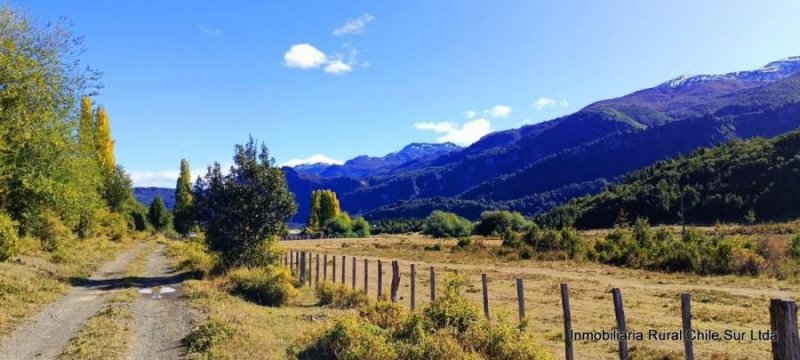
point(157, 291)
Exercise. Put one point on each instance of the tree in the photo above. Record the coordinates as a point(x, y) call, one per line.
point(159, 214)
point(86, 136)
point(324, 206)
point(361, 227)
point(243, 211)
point(118, 190)
point(103, 142)
point(184, 218)
point(444, 224)
point(498, 222)
point(40, 164)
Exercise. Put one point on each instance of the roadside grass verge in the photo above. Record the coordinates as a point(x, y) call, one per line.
point(36, 277)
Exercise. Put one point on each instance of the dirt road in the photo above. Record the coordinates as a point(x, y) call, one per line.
point(46, 335)
point(161, 318)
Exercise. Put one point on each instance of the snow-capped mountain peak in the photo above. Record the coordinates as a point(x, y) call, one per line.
point(775, 70)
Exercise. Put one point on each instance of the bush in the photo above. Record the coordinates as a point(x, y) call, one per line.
point(350, 338)
point(48, 228)
point(449, 328)
point(434, 247)
point(8, 237)
point(339, 296)
point(498, 222)
point(204, 337)
point(794, 247)
point(464, 242)
point(271, 286)
point(442, 224)
point(193, 256)
point(361, 227)
point(112, 225)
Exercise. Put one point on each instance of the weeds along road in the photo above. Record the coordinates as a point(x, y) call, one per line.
point(160, 321)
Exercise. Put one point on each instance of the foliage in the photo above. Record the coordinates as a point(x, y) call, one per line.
point(158, 215)
point(361, 227)
point(739, 181)
point(242, 210)
point(193, 256)
point(204, 337)
point(794, 247)
point(103, 142)
point(50, 230)
point(449, 328)
point(396, 226)
point(8, 237)
point(324, 207)
point(340, 296)
point(443, 224)
point(271, 285)
point(340, 225)
point(118, 190)
point(138, 217)
point(499, 221)
point(184, 218)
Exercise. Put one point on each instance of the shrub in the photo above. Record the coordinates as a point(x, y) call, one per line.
point(50, 230)
point(442, 224)
point(8, 237)
point(794, 247)
point(204, 337)
point(498, 222)
point(361, 227)
point(350, 338)
point(193, 256)
point(451, 310)
point(271, 286)
point(112, 225)
point(434, 247)
point(511, 238)
point(464, 242)
point(339, 296)
point(386, 314)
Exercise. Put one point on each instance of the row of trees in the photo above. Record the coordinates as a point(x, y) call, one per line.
point(57, 165)
point(327, 217)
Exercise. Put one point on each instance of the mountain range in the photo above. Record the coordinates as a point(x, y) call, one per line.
point(537, 167)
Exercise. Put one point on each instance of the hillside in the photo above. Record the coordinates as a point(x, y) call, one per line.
point(533, 168)
point(146, 195)
point(739, 181)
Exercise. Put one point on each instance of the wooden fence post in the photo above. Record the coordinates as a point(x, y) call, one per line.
point(297, 260)
point(619, 312)
point(316, 274)
point(344, 267)
point(485, 284)
point(291, 260)
point(686, 315)
point(309, 270)
point(353, 280)
point(413, 286)
point(366, 276)
point(325, 267)
point(302, 267)
point(783, 321)
point(380, 278)
point(521, 299)
point(333, 278)
point(433, 284)
point(395, 279)
point(568, 351)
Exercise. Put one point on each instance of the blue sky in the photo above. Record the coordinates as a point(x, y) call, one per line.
point(338, 79)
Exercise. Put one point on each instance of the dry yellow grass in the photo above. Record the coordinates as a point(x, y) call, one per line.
point(651, 298)
point(36, 278)
point(259, 332)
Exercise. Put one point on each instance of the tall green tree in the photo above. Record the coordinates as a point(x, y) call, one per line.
point(242, 212)
point(159, 214)
point(184, 217)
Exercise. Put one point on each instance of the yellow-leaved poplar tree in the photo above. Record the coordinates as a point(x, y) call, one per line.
point(103, 142)
point(86, 126)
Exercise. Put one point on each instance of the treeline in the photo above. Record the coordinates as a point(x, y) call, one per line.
point(58, 174)
point(326, 217)
point(742, 181)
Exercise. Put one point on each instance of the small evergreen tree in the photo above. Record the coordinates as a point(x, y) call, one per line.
point(159, 214)
point(184, 218)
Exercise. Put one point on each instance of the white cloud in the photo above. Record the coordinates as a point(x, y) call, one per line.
point(163, 178)
point(304, 56)
point(313, 159)
point(469, 114)
point(502, 111)
point(213, 32)
point(465, 134)
point(337, 67)
point(548, 103)
point(355, 26)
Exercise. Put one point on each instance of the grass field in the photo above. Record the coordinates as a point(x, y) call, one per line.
point(652, 299)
